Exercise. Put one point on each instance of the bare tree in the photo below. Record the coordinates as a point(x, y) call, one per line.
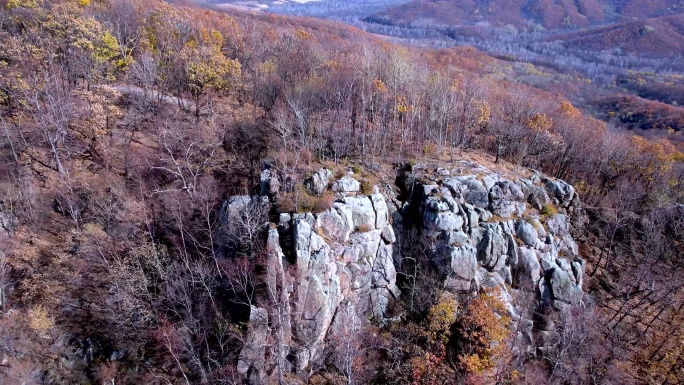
point(5, 281)
point(348, 344)
point(53, 109)
point(186, 156)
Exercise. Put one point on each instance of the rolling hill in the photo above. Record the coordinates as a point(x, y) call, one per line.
point(527, 15)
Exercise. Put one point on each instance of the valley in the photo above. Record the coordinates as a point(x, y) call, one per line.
point(582, 51)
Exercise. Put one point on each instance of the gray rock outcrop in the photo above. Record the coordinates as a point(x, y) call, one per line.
point(342, 255)
point(481, 229)
point(347, 185)
point(317, 184)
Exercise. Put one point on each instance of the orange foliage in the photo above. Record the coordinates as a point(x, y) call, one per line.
point(484, 327)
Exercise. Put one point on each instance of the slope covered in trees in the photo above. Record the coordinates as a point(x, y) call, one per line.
point(126, 124)
point(597, 42)
point(527, 15)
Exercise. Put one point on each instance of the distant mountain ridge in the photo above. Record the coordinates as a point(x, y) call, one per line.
point(529, 14)
point(658, 37)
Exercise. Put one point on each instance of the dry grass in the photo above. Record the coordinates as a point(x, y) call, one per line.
point(367, 186)
point(301, 201)
point(364, 228)
point(549, 209)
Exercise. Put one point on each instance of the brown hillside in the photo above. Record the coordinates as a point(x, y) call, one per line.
point(655, 37)
point(525, 14)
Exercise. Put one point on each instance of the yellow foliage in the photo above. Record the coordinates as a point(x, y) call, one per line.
point(40, 321)
point(332, 64)
point(30, 4)
point(485, 113)
point(379, 86)
point(303, 35)
point(402, 105)
point(457, 83)
point(485, 325)
point(208, 69)
point(268, 67)
point(540, 122)
point(107, 49)
point(440, 318)
point(474, 363)
point(549, 209)
point(660, 156)
point(568, 110)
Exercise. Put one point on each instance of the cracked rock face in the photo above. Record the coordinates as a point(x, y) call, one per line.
point(500, 242)
point(317, 184)
point(347, 185)
point(342, 263)
point(343, 255)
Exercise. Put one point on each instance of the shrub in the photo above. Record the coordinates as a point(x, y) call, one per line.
point(366, 186)
point(324, 201)
point(440, 318)
point(357, 169)
point(285, 203)
point(303, 202)
point(40, 320)
point(549, 209)
point(364, 228)
point(429, 149)
point(340, 172)
point(483, 328)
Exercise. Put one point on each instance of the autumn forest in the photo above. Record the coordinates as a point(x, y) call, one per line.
point(156, 156)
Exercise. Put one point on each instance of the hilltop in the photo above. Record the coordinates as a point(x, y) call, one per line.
point(529, 15)
point(188, 196)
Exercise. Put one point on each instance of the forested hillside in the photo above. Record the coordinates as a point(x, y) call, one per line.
point(548, 15)
point(153, 157)
point(581, 50)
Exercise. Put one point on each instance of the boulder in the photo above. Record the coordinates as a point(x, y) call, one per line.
point(560, 190)
point(528, 271)
point(538, 197)
point(578, 271)
point(442, 171)
point(269, 182)
point(252, 355)
point(468, 189)
point(318, 182)
point(558, 224)
point(490, 180)
point(527, 233)
point(8, 223)
point(472, 217)
point(306, 217)
point(563, 288)
point(493, 249)
point(363, 214)
point(336, 222)
point(463, 261)
point(367, 244)
point(541, 232)
point(347, 185)
point(456, 238)
point(484, 214)
point(506, 199)
point(442, 221)
point(380, 207)
point(388, 234)
point(384, 290)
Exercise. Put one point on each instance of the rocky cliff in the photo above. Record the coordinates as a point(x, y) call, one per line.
point(485, 230)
